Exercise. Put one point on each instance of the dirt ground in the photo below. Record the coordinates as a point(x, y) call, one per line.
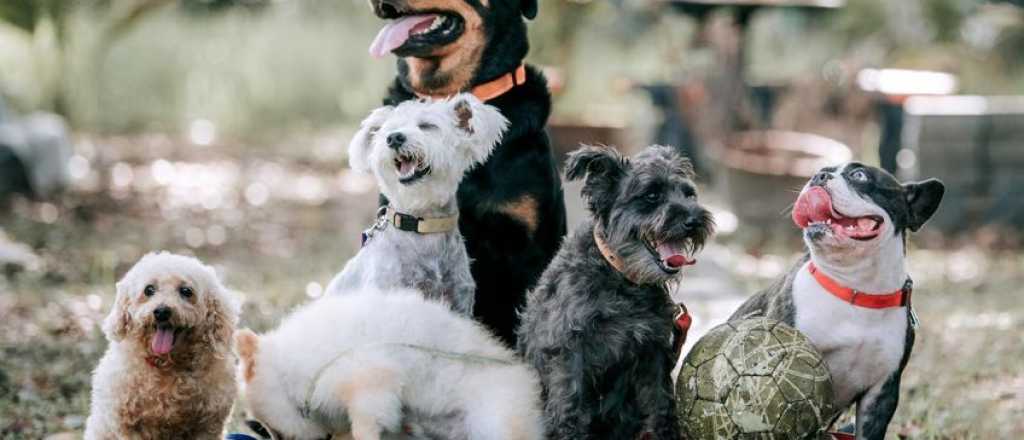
point(279, 221)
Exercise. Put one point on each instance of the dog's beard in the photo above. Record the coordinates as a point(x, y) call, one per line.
point(655, 252)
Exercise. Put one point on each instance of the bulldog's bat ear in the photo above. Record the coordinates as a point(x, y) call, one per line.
point(529, 8)
point(924, 199)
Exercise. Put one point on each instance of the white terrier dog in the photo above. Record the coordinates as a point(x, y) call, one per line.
point(367, 364)
point(419, 152)
point(169, 371)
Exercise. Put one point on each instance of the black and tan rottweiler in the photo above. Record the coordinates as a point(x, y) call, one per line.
point(512, 208)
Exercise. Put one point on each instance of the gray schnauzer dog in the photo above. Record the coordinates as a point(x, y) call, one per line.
point(419, 151)
point(599, 325)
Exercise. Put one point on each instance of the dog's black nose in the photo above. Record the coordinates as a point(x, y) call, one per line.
point(162, 313)
point(821, 178)
point(692, 222)
point(396, 140)
point(386, 9)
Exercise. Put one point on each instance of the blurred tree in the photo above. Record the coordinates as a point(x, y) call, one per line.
point(50, 20)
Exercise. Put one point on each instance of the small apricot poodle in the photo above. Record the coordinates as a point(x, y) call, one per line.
point(169, 370)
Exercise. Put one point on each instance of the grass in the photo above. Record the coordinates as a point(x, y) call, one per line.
point(964, 380)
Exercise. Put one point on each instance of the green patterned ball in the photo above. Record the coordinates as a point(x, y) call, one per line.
point(754, 378)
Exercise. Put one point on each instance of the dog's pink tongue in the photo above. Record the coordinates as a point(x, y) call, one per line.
point(813, 205)
point(396, 33)
point(673, 256)
point(162, 341)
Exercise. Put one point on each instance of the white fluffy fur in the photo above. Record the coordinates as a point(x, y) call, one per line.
point(370, 374)
point(451, 147)
point(861, 346)
point(191, 396)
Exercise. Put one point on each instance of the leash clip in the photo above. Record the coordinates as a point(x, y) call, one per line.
point(378, 225)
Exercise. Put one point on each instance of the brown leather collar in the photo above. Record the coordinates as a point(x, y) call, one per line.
point(494, 88)
point(609, 255)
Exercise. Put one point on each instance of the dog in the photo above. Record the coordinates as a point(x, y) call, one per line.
point(599, 325)
point(385, 365)
point(419, 151)
point(168, 371)
point(512, 207)
point(851, 293)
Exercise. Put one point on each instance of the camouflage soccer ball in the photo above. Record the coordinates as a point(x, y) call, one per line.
point(754, 378)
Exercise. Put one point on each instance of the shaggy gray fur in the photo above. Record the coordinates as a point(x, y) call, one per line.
point(602, 344)
point(435, 264)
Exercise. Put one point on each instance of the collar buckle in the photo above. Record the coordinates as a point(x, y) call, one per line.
point(405, 222)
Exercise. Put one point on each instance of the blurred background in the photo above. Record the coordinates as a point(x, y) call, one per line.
point(218, 128)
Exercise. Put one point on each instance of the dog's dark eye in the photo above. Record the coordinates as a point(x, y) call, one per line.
point(425, 126)
point(859, 175)
point(691, 196)
point(258, 428)
point(185, 291)
point(149, 290)
point(653, 197)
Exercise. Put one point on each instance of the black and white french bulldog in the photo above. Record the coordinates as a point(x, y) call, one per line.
point(851, 294)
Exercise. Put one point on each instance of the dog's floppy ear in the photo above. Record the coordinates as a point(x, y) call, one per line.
point(119, 320)
point(222, 309)
point(924, 199)
point(359, 147)
point(602, 167)
point(247, 344)
point(529, 8)
point(483, 123)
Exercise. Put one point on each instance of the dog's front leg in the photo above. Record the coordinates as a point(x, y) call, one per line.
point(371, 398)
point(876, 408)
point(570, 405)
point(659, 394)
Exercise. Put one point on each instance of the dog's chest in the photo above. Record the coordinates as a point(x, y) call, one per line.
point(175, 405)
point(861, 346)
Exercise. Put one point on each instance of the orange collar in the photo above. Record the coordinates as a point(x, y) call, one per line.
point(899, 298)
point(494, 88)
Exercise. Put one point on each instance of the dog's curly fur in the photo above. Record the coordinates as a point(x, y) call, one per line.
point(601, 339)
point(186, 393)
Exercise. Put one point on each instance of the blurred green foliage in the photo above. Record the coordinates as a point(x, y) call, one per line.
point(258, 67)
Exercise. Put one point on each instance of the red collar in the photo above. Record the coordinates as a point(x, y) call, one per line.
point(159, 362)
point(682, 321)
point(494, 88)
point(899, 298)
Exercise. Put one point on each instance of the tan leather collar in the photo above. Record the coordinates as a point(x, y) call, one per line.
point(494, 88)
point(406, 222)
point(609, 255)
